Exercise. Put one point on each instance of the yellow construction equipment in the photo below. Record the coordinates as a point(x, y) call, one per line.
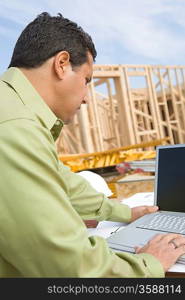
point(79, 162)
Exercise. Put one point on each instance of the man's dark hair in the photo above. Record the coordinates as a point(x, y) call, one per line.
point(46, 36)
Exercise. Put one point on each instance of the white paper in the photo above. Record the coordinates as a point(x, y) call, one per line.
point(177, 268)
point(139, 199)
point(105, 228)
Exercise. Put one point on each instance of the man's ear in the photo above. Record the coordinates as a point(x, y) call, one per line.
point(61, 62)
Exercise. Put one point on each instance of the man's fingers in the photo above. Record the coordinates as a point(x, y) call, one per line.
point(137, 248)
point(172, 236)
point(156, 238)
point(178, 242)
point(140, 211)
point(151, 209)
point(180, 250)
point(167, 238)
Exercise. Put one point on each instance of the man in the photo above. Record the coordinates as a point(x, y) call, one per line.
point(43, 204)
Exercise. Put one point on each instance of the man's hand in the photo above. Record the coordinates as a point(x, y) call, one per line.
point(140, 211)
point(167, 248)
point(91, 223)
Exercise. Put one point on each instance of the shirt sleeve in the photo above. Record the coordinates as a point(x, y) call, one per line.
point(91, 204)
point(42, 234)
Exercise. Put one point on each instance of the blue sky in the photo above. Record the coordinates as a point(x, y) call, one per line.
point(124, 31)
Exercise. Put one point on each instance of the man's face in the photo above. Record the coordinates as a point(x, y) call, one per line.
point(71, 92)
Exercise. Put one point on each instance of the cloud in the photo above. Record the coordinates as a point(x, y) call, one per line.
point(153, 30)
point(144, 28)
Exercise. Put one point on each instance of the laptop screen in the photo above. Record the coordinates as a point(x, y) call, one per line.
point(170, 178)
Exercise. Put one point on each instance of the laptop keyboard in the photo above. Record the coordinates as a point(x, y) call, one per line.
point(167, 223)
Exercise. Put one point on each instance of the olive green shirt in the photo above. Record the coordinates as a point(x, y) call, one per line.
point(43, 203)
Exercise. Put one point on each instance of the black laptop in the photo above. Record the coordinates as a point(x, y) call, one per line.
point(169, 195)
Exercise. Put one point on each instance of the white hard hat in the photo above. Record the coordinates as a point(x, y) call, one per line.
point(97, 182)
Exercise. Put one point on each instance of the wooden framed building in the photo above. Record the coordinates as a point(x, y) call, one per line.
point(128, 104)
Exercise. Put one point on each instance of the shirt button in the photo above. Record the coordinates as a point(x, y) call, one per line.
point(57, 122)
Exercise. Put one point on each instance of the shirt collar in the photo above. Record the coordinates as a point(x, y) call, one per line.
point(30, 97)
